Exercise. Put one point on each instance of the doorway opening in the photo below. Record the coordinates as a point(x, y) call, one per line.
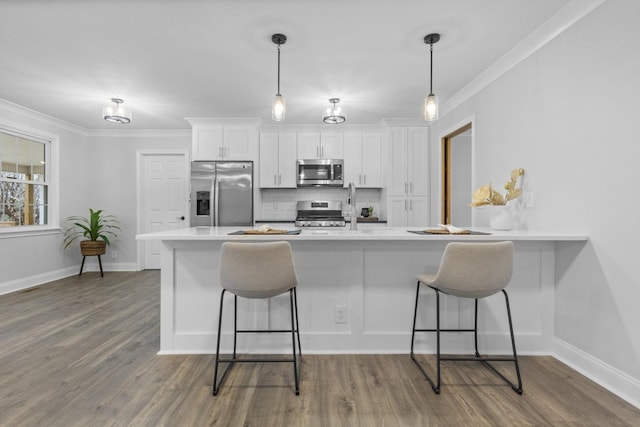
point(456, 176)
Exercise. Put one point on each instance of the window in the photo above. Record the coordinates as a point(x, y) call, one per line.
point(25, 181)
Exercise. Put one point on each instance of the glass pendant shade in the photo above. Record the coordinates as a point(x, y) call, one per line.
point(334, 113)
point(116, 113)
point(278, 108)
point(431, 107)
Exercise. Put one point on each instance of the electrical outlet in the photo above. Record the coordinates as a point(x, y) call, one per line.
point(341, 314)
point(114, 254)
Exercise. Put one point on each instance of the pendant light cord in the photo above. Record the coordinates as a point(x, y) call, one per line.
point(430, 69)
point(278, 94)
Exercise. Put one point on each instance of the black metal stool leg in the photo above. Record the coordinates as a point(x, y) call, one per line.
point(100, 262)
point(216, 385)
point(475, 327)
point(81, 266)
point(434, 385)
point(235, 324)
point(295, 301)
point(293, 343)
point(517, 389)
point(437, 387)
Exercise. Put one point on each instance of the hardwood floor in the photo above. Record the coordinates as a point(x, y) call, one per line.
point(82, 352)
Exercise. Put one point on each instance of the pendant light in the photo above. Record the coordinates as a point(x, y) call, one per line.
point(278, 107)
point(333, 113)
point(431, 101)
point(116, 113)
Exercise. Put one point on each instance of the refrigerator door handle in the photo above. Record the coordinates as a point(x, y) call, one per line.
point(216, 202)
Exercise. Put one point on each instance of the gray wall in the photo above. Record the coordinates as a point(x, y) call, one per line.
point(567, 115)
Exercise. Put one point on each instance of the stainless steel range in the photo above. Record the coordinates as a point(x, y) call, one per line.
point(320, 213)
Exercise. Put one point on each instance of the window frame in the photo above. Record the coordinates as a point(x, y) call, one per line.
point(51, 142)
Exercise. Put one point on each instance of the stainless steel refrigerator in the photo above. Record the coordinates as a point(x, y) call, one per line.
point(221, 193)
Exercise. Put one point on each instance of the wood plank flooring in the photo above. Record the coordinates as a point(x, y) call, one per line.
point(82, 352)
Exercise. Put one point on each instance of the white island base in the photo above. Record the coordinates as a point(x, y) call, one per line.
point(356, 293)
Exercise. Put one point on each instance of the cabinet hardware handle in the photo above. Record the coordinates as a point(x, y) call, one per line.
point(275, 179)
point(180, 218)
point(279, 179)
point(405, 204)
point(410, 205)
point(411, 187)
point(405, 187)
point(365, 179)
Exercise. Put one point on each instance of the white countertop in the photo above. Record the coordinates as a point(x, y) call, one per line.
point(344, 233)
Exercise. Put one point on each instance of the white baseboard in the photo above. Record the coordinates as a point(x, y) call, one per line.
point(37, 279)
point(614, 380)
point(40, 279)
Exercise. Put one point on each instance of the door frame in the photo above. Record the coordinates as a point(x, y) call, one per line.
point(445, 163)
point(141, 155)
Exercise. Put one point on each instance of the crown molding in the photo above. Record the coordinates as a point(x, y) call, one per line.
point(556, 25)
point(43, 118)
point(140, 133)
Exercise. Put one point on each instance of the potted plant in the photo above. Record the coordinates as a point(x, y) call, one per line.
point(98, 228)
point(502, 217)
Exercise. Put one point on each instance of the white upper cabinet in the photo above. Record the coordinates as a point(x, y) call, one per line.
point(212, 140)
point(408, 183)
point(320, 145)
point(207, 144)
point(278, 160)
point(409, 162)
point(362, 159)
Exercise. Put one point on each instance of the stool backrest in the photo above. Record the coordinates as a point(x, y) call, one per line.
point(475, 270)
point(257, 270)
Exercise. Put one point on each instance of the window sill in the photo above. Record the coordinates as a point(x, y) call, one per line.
point(27, 231)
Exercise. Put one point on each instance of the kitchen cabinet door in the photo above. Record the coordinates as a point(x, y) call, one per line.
point(398, 212)
point(238, 143)
point(399, 179)
point(207, 143)
point(418, 212)
point(371, 160)
point(408, 212)
point(277, 160)
point(362, 159)
point(331, 145)
point(268, 160)
point(287, 157)
point(409, 162)
point(417, 162)
point(353, 159)
point(309, 145)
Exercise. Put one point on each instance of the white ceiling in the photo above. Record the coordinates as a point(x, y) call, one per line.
point(170, 59)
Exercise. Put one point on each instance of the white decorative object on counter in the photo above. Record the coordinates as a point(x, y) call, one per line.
point(502, 217)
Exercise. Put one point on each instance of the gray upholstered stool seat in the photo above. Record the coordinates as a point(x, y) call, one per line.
point(257, 270)
point(469, 270)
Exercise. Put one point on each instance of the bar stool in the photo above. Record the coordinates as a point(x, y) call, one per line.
point(257, 270)
point(469, 270)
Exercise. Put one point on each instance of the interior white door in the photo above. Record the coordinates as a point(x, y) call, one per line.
point(165, 199)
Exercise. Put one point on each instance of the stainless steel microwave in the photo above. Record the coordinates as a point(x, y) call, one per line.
point(320, 172)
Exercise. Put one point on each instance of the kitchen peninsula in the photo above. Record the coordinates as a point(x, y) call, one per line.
point(356, 290)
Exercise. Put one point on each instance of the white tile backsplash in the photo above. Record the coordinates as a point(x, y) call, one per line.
point(280, 204)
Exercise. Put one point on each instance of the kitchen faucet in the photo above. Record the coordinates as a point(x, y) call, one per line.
point(351, 201)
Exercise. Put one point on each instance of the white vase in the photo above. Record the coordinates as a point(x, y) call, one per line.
point(502, 218)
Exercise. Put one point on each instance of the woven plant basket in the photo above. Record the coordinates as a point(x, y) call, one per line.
point(93, 247)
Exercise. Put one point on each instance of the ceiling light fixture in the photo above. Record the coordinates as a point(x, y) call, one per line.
point(278, 107)
point(116, 113)
point(334, 113)
point(431, 101)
